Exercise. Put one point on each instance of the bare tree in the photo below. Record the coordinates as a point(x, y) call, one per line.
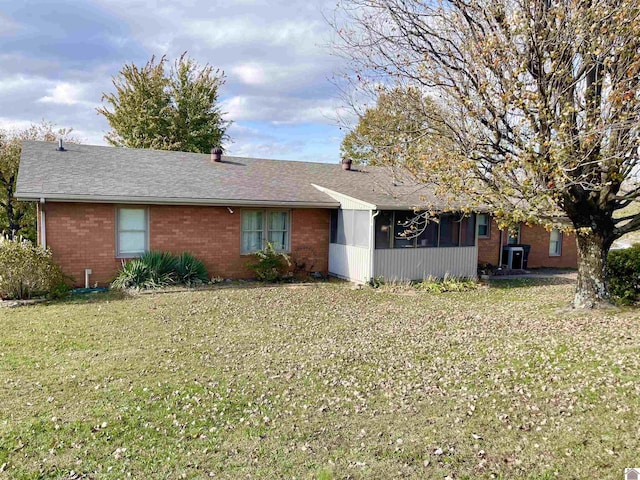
point(542, 100)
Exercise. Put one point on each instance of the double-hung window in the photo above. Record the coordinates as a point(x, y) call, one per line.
point(262, 226)
point(132, 232)
point(555, 243)
point(484, 225)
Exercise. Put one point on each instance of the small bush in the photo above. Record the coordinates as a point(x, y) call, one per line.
point(269, 265)
point(624, 274)
point(160, 269)
point(27, 270)
point(191, 271)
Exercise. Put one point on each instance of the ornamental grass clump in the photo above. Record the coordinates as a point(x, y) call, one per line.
point(190, 270)
point(161, 269)
point(28, 270)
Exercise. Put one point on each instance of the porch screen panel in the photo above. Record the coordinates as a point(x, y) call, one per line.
point(429, 237)
point(449, 230)
point(400, 230)
point(360, 228)
point(384, 228)
point(333, 235)
point(344, 217)
point(353, 228)
point(468, 231)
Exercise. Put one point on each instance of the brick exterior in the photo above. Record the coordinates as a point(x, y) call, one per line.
point(82, 235)
point(538, 238)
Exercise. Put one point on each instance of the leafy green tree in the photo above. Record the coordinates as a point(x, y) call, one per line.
point(19, 218)
point(401, 129)
point(178, 110)
point(542, 101)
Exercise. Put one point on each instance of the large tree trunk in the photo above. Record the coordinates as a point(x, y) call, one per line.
point(592, 290)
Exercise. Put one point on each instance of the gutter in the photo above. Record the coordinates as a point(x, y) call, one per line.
point(173, 201)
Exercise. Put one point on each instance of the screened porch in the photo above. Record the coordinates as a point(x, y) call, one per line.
point(398, 245)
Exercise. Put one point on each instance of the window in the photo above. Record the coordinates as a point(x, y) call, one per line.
point(262, 226)
point(132, 232)
point(513, 236)
point(555, 243)
point(484, 225)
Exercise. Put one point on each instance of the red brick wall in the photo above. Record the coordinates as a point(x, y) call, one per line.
point(82, 235)
point(536, 236)
point(488, 247)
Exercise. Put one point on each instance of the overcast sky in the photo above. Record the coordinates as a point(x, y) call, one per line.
point(58, 56)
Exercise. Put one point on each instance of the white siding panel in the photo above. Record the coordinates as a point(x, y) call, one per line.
point(420, 263)
point(349, 262)
point(346, 202)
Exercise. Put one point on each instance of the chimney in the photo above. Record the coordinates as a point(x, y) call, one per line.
point(60, 145)
point(346, 164)
point(216, 154)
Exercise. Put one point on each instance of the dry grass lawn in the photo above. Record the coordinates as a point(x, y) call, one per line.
point(320, 382)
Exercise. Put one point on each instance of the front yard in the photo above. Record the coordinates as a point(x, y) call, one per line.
point(320, 382)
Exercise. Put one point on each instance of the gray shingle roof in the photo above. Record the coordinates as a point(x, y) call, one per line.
point(108, 174)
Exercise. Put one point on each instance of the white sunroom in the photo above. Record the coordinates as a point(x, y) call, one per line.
point(369, 241)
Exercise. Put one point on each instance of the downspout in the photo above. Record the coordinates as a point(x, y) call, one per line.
point(372, 244)
point(43, 225)
point(500, 251)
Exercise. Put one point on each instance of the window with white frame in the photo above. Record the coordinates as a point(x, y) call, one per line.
point(262, 226)
point(132, 232)
point(555, 243)
point(484, 225)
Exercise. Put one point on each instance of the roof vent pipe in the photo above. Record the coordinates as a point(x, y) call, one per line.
point(60, 145)
point(346, 164)
point(216, 154)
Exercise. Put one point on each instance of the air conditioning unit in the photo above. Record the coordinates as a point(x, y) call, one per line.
point(513, 257)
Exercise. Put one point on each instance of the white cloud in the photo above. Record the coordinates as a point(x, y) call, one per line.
point(250, 73)
point(281, 110)
point(65, 93)
point(298, 36)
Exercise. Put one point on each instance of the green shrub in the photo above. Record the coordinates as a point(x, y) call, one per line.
point(269, 265)
point(190, 270)
point(27, 270)
point(624, 274)
point(133, 274)
point(160, 269)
